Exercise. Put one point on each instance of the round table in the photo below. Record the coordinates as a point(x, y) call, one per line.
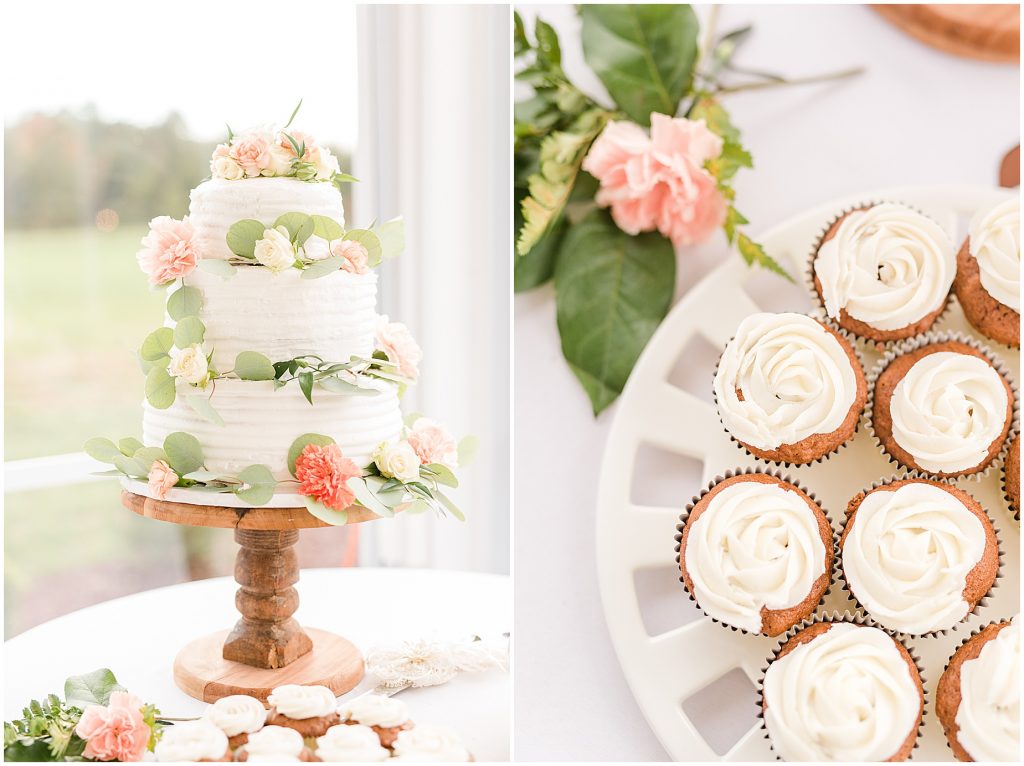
point(138, 636)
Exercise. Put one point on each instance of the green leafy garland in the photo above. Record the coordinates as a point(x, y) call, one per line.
point(614, 289)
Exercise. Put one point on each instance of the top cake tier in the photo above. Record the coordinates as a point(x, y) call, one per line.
point(218, 203)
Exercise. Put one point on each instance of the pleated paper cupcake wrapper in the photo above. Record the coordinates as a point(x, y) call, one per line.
point(851, 340)
point(732, 473)
point(1014, 509)
point(844, 583)
point(913, 344)
point(822, 314)
point(836, 615)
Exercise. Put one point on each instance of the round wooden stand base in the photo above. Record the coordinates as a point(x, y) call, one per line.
point(201, 671)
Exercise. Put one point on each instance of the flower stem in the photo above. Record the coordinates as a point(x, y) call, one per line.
point(853, 72)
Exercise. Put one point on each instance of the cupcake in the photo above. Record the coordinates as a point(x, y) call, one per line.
point(788, 388)
point(838, 691)
point(274, 744)
point(385, 715)
point(918, 554)
point(310, 710)
point(193, 741)
point(354, 743)
point(1011, 476)
point(978, 697)
point(756, 553)
point(883, 272)
point(987, 281)
point(942, 408)
point(237, 716)
point(431, 743)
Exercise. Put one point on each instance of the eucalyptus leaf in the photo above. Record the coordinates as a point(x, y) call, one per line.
point(392, 237)
point(327, 228)
point(189, 332)
point(322, 268)
point(442, 474)
point(252, 365)
point(447, 503)
point(92, 688)
point(338, 386)
point(157, 344)
point(467, 449)
point(417, 506)
point(370, 241)
point(300, 444)
point(202, 406)
point(184, 302)
point(243, 236)
point(208, 476)
point(147, 456)
point(129, 445)
point(160, 388)
point(325, 514)
point(184, 452)
point(102, 449)
point(261, 485)
point(612, 291)
point(299, 225)
point(218, 267)
point(367, 498)
point(129, 466)
point(643, 54)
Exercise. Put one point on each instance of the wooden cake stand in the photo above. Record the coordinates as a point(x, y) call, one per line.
point(267, 647)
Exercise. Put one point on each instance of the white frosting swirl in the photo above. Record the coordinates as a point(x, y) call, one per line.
point(907, 556)
point(236, 714)
point(846, 695)
point(351, 742)
point(888, 266)
point(755, 545)
point(300, 702)
point(274, 742)
point(191, 741)
point(989, 712)
point(430, 743)
point(376, 710)
point(947, 410)
point(795, 378)
point(994, 240)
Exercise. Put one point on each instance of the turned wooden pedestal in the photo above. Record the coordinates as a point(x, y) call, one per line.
point(267, 647)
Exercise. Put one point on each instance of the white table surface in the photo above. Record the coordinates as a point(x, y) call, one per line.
point(138, 636)
point(917, 116)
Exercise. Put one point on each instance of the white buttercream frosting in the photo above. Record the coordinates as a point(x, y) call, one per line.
point(795, 377)
point(300, 702)
point(273, 743)
point(947, 410)
point(994, 240)
point(260, 423)
point(989, 712)
point(283, 315)
point(430, 743)
point(846, 695)
point(888, 266)
point(217, 204)
point(907, 555)
point(754, 545)
point(237, 714)
point(376, 710)
point(191, 741)
point(351, 743)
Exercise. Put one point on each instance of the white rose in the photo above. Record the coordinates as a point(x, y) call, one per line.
point(280, 161)
point(399, 461)
point(326, 164)
point(189, 364)
point(316, 248)
point(227, 168)
point(275, 250)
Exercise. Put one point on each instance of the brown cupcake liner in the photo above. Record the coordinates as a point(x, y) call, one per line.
point(820, 311)
point(732, 473)
point(1010, 504)
point(837, 615)
point(851, 340)
point(927, 339)
point(981, 603)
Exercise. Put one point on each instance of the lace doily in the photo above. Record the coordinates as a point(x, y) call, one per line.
point(423, 662)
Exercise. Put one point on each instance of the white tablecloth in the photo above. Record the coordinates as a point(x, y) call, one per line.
point(138, 636)
point(917, 116)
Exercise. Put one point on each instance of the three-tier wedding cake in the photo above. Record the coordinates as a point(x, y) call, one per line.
point(273, 379)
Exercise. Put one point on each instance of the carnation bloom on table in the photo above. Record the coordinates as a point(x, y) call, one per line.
point(395, 340)
point(161, 479)
point(433, 443)
point(168, 252)
point(323, 473)
point(117, 732)
point(658, 181)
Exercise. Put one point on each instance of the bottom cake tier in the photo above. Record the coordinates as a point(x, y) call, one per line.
point(260, 424)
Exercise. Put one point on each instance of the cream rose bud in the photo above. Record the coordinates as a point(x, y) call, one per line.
point(280, 161)
point(227, 168)
point(189, 364)
point(326, 164)
point(275, 250)
point(397, 461)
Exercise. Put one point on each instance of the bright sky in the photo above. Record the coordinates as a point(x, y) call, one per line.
point(244, 63)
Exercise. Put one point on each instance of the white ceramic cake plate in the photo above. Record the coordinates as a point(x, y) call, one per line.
point(222, 499)
point(666, 669)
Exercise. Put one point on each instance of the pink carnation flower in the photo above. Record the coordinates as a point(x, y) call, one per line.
point(354, 253)
point(323, 474)
point(658, 182)
point(168, 252)
point(432, 443)
point(117, 732)
point(252, 153)
point(395, 340)
point(161, 479)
